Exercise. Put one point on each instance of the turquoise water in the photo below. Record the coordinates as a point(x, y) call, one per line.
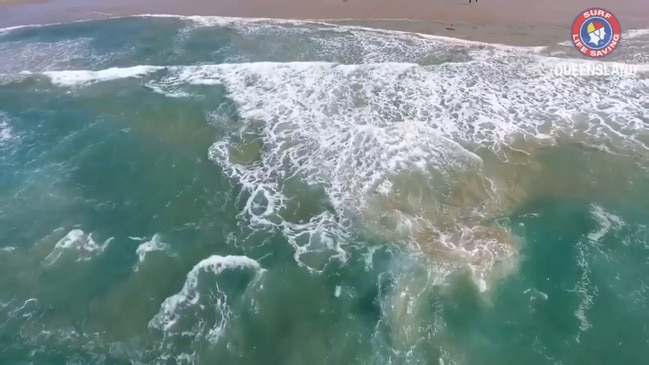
point(209, 190)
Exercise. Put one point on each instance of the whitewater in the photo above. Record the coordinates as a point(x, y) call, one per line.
point(265, 191)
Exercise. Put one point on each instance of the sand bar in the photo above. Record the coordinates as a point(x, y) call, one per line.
point(503, 21)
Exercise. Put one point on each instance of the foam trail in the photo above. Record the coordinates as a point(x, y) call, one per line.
point(182, 314)
point(10, 29)
point(147, 247)
point(605, 222)
point(358, 131)
point(78, 244)
point(635, 33)
point(585, 289)
point(211, 20)
point(5, 130)
point(81, 77)
point(41, 25)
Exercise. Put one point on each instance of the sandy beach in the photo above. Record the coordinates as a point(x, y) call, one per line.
point(502, 21)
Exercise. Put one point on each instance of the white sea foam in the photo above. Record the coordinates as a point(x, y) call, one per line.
point(168, 93)
point(224, 21)
point(539, 91)
point(28, 307)
point(81, 77)
point(43, 56)
point(209, 21)
point(40, 25)
point(585, 288)
point(5, 132)
point(354, 129)
point(262, 24)
point(153, 245)
point(586, 291)
point(635, 33)
point(52, 55)
point(610, 64)
point(536, 294)
point(445, 39)
point(78, 245)
point(5, 129)
point(198, 19)
point(357, 44)
point(183, 314)
point(357, 129)
point(605, 221)
point(9, 29)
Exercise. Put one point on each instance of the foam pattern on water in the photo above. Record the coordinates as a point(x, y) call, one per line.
point(76, 244)
point(42, 56)
point(5, 130)
point(389, 131)
point(155, 244)
point(83, 77)
point(606, 224)
point(354, 129)
point(201, 309)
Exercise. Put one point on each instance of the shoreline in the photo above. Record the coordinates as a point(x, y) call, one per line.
point(482, 33)
point(489, 21)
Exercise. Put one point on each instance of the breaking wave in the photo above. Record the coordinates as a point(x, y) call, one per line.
point(76, 244)
point(419, 140)
point(201, 310)
point(423, 154)
point(155, 244)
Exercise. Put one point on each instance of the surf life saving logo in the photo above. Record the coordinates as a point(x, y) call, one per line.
point(596, 32)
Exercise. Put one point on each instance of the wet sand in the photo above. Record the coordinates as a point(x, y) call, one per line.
point(502, 21)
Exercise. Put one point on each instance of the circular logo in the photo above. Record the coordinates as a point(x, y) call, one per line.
point(596, 32)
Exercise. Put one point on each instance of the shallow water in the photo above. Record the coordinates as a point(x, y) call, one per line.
point(209, 190)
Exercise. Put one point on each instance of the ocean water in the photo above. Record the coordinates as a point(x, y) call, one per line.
point(196, 190)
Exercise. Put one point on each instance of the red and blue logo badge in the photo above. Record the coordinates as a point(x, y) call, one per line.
point(596, 32)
